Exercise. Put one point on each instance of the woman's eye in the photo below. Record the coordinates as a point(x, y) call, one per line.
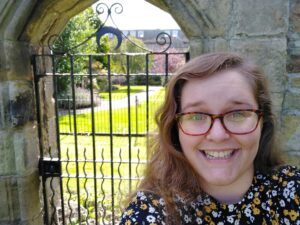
point(239, 115)
point(196, 117)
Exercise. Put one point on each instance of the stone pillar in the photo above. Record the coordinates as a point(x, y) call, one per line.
point(19, 151)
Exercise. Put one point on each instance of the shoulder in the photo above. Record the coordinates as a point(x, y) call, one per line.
point(286, 176)
point(286, 183)
point(145, 208)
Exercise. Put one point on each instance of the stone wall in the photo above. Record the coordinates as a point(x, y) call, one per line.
point(291, 105)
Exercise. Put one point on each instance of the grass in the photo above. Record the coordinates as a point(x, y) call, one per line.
point(121, 92)
point(111, 156)
point(119, 118)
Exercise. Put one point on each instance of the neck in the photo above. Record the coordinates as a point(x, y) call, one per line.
point(231, 193)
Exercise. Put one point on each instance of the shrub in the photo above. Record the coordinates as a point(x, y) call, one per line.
point(83, 99)
point(141, 80)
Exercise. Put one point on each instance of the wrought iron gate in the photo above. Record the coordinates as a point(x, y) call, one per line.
point(93, 149)
point(94, 143)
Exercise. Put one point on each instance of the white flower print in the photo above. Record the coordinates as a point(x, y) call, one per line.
point(215, 214)
point(207, 201)
point(248, 211)
point(237, 222)
point(274, 193)
point(259, 176)
point(162, 201)
point(286, 193)
point(151, 209)
point(230, 219)
point(199, 220)
point(264, 206)
point(187, 219)
point(286, 221)
point(250, 195)
point(231, 207)
point(282, 203)
point(291, 184)
point(220, 223)
point(151, 219)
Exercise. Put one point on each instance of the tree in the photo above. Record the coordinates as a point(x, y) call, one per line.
point(137, 62)
point(78, 30)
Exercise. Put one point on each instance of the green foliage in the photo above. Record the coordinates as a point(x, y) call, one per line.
point(77, 30)
point(137, 62)
point(155, 80)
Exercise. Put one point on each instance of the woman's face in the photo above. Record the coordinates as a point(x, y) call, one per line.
point(220, 158)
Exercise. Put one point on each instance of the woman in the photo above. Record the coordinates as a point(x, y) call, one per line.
point(215, 160)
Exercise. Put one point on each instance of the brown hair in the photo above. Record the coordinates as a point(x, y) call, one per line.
point(168, 172)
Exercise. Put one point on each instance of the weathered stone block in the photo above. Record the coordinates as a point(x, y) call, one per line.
point(215, 45)
point(290, 130)
point(292, 101)
point(294, 81)
point(293, 64)
point(7, 154)
point(25, 145)
point(277, 100)
point(202, 18)
point(28, 187)
point(293, 158)
point(294, 15)
point(15, 61)
point(19, 150)
point(270, 53)
point(256, 17)
point(16, 103)
point(19, 200)
point(9, 200)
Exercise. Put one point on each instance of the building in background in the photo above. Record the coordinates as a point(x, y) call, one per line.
point(179, 41)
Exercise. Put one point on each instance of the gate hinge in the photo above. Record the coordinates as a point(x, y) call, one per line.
point(49, 167)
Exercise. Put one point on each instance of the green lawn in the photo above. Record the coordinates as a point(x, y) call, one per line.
point(119, 118)
point(121, 92)
point(111, 155)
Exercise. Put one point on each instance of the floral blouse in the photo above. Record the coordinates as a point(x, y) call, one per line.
point(273, 199)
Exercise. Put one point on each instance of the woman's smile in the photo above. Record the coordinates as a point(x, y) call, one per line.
point(218, 155)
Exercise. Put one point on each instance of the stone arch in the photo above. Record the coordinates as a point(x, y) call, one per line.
point(268, 30)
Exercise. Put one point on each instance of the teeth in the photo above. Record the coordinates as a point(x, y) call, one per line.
point(218, 155)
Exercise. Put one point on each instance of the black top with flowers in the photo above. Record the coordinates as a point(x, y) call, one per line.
point(273, 199)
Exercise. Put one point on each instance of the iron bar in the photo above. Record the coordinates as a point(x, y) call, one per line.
point(147, 99)
point(129, 115)
point(111, 139)
point(55, 91)
point(75, 132)
point(93, 137)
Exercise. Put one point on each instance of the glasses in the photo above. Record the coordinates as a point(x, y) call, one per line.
point(238, 121)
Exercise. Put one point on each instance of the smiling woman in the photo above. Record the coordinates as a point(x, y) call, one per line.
point(215, 160)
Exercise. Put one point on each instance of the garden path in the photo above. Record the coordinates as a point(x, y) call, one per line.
point(121, 103)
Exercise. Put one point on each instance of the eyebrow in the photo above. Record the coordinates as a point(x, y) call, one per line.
point(233, 103)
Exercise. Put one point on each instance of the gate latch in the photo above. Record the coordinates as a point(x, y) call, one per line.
point(50, 167)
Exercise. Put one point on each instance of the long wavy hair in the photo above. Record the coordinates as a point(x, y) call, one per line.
point(168, 172)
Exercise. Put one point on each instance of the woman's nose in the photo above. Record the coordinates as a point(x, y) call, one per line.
point(217, 132)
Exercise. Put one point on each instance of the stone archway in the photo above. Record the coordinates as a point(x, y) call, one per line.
point(268, 30)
